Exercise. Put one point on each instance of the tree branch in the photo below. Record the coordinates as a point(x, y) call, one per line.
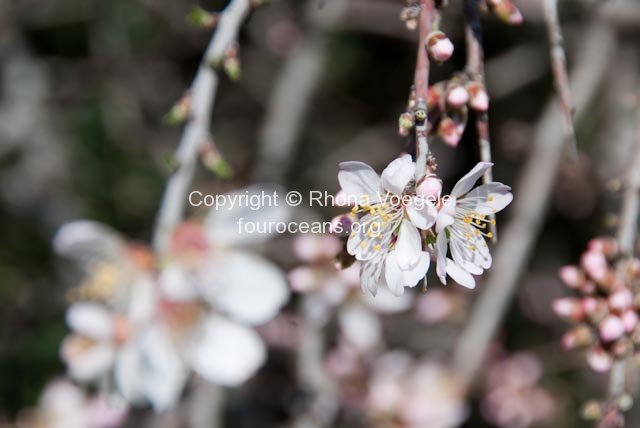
point(197, 132)
point(532, 198)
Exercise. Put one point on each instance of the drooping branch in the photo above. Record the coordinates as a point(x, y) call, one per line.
point(197, 130)
point(421, 86)
point(560, 75)
point(475, 68)
point(535, 187)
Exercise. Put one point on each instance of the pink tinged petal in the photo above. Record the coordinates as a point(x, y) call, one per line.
point(571, 276)
point(86, 361)
point(459, 275)
point(442, 245)
point(84, 239)
point(222, 222)
point(360, 326)
point(91, 320)
point(393, 274)
point(611, 328)
point(411, 277)
point(225, 353)
point(493, 197)
point(245, 286)
point(359, 181)
point(408, 245)
point(430, 188)
point(422, 213)
point(466, 183)
point(176, 284)
point(398, 174)
point(302, 279)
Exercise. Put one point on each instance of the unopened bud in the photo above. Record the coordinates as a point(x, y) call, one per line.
point(457, 97)
point(180, 111)
point(431, 188)
point(599, 360)
point(449, 132)
point(212, 159)
point(434, 95)
point(506, 11)
point(578, 337)
point(611, 328)
point(591, 410)
point(231, 65)
point(341, 225)
point(605, 245)
point(201, 18)
point(568, 308)
point(572, 276)
point(595, 264)
point(439, 46)
point(405, 124)
point(302, 279)
point(625, 402)
point(478, 97)
point(630, 320)
point(620, 300)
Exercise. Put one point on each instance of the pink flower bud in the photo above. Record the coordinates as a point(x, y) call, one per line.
point(568, 308)
point(605, 245)
point(479, 99)
point(630, 320)
point(341, 225)
point(302, 279)
point(457, 97)
point(599, 360)
point(595, 264)
point(571, 276)
point(449, 132)
point(577, 337)
point(439, 46)
point(611, 328)
point(620, 300)
point(589, 305)
point(434, 95)
point(506, 11)
point(430, 188)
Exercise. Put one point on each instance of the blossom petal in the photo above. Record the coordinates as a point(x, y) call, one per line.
point(87, 240)
point(492, 197)
point(246, 286)
point(466, 183)
point(225, 353)
point(370, 272)
point(408, 246)
point(397, 175)
point(464, 256)
point(151, 369)
point(86, 361)
point(393, 274)
point(442, 245)
point(176, 284)
point(460, 275)
point(91, 320)
point(412, 276)
point(359, 182)
point(255, 205)
point(422, 213)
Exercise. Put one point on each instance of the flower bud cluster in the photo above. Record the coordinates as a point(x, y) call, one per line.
point(606, 308)
point(448, 105)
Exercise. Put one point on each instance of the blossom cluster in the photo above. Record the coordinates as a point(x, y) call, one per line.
point(606, 305)
point(401, 238)
point(142, 323)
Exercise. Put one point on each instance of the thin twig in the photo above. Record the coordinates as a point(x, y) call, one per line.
point(475, 68)
point(560, 75)
point(196, 132)
point(532, 198)
point(421, 84)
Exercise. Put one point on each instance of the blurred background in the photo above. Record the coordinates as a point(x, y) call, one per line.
point(84, 87)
